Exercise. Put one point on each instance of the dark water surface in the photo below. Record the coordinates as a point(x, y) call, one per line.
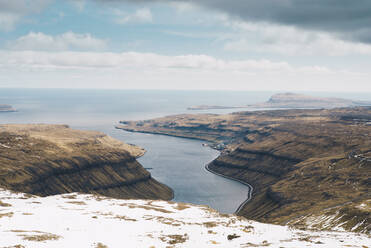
point(177, 162)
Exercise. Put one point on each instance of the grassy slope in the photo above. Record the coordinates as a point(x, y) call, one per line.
point(54, 159)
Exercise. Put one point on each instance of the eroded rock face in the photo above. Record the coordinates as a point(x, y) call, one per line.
point(300, 162)
point(54, 159)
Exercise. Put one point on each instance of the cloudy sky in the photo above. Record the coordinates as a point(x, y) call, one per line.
point(296, 45)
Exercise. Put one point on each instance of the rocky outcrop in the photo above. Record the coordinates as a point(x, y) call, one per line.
point(299, 162)
point(54, 159)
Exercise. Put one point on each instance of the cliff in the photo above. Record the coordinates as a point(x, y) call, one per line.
point(304, 165)
point(54, 159)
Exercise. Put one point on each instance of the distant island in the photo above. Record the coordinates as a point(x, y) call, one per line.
point(293, 100)
point(6, 108)
point(206, 107)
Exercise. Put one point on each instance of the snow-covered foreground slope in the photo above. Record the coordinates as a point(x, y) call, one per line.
point(76, 220)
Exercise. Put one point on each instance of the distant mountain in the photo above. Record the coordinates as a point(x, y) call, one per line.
point(207, 107)
point(6, 108)
point(292, 100)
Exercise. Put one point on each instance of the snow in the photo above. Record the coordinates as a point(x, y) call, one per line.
point(5, 146)
point(81, 220)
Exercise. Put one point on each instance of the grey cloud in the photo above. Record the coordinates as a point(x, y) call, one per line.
point(351, 19)
point(11, 11)
point(22, 6)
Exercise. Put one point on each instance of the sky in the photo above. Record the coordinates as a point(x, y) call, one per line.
point(278, 45)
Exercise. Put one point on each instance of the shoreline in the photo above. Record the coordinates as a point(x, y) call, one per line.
point(212, 144)
point(249, 194)
point(250, 187)
point(141, 155)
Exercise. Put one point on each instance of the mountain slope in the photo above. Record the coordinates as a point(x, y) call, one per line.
point(54, 159)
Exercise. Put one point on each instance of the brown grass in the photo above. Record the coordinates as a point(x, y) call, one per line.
point(10, 214)
point(41, 237)
point(4, 204)
point(100, 245)
point(77, 202)
point(210, 224)
point(181, 206)
point(152, 208)
point(174, 239)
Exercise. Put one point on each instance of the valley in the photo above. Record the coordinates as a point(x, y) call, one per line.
point(303, 164)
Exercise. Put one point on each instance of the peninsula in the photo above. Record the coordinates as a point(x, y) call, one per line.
point(308, 168)
point(48, 160)
point(292, 100)
point(206, 107)
point(6, 108)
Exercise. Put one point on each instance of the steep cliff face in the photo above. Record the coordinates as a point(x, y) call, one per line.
point(54, 159)
point(300, 162)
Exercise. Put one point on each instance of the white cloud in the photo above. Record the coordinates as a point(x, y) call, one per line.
point(133, 70)
point(137, 60)
point(65, 41)
point(143, 15)
point(269, 38)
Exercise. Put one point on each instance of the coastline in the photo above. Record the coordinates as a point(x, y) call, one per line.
point(144, 151)
point(249, 194)
point(213, 146)
point(212, 143)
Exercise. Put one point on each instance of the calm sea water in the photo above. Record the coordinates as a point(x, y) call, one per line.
point(177, 162)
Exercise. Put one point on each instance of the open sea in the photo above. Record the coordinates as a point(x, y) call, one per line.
point(177, 162)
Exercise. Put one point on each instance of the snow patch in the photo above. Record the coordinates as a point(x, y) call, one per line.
point(81, 220)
